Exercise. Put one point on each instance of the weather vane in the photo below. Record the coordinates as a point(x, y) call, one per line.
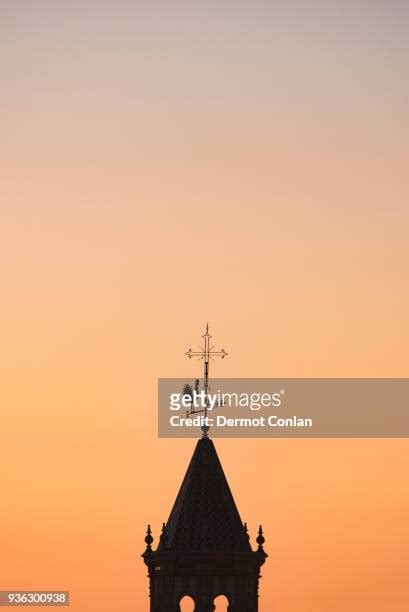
point(206, 353)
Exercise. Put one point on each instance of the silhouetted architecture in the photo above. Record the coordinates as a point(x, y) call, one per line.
point(204, 549)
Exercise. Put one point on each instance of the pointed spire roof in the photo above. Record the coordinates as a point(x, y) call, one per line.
point(204, 516)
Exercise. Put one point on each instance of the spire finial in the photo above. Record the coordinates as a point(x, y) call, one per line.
point(206, 353)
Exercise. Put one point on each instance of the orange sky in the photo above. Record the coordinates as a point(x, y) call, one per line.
point(161, 168)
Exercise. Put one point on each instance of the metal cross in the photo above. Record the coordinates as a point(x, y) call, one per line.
point(206, 353)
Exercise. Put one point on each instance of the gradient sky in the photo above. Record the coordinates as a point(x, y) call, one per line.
point(167, 164)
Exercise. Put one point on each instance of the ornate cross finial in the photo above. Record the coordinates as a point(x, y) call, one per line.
point(206, 353)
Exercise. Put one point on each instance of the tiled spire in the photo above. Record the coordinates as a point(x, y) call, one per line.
point(204, 516)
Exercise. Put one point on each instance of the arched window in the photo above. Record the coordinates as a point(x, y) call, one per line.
point(221, 604)
point(186, 604)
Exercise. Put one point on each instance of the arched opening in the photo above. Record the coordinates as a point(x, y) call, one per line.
point(221, 604)
point(186, 604)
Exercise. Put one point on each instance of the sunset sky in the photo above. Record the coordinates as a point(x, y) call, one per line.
point(168, 164)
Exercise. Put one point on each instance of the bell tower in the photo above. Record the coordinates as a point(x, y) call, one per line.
point(204, 549)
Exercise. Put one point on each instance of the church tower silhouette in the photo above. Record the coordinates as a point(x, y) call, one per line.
point(204, 549)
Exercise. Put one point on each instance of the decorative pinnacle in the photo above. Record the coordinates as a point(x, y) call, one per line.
point(260, 538)
point(148, 539)
point(246, 530)
point(163, 535)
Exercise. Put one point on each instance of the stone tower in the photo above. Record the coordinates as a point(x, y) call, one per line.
point(204, 549)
